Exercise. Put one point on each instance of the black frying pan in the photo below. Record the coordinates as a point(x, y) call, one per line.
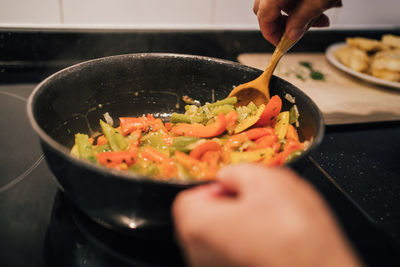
point(74, 99)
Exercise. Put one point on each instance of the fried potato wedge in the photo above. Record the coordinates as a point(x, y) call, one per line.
point(386, 75)
point(386, 60)
point(368, 45)
point(391, 40)
point(353, 58)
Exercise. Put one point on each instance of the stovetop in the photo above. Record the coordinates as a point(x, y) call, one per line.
point(355, 168)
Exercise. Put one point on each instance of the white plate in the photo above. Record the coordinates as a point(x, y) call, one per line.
point(332, 59)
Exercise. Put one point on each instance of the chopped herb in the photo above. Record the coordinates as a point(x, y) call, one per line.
point(306, 64)
point(298, 76)
point(314, 74)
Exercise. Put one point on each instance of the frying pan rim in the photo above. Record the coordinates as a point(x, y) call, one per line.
point(104, 171)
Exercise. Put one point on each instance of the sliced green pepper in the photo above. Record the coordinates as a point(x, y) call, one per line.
point(150, 170)
point(115, 139)
point(84, 147)
point(186, 118)
point(154, 140)
point(181, 143)
point(225, 109)
point(226, 101)
point(293, 114)
point(102, 148)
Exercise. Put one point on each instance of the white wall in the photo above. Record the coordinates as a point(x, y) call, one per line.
point(175, 14)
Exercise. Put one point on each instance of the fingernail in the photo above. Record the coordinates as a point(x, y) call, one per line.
point(296, 33)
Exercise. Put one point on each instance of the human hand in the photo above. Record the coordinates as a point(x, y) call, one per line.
point(300, 16)
point(256, 216)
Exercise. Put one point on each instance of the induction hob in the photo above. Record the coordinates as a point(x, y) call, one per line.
point(39, 226)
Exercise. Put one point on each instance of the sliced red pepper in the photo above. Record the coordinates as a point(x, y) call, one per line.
point(150, 117)
point(276, 160)
point(168, 167)
point(270, 112)
point(114, 158)
point(291, 133)
point(146, 124)
point(280, 158)
point(187, 161)
point(236, 141)
point(130, 124)
point(292, 145)
point(101, 140)
point(153, 154)
point(195, 167)
point(253, 134)
point(134, 147)
point(212, 157)
point(199, 130)
point(231, 119)
point(203, 147)
point(168, 126)
point(266, 141)
point(156, 125)
point(256, 133)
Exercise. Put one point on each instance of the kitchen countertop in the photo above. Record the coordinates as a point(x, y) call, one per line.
point(342, 98)
point(355, 168)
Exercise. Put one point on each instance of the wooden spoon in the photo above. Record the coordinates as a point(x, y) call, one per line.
point(258, 90)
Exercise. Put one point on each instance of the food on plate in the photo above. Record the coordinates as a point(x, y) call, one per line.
point(365, 44)
point(387, 60)
point(391, 40)
point(379, 58)
point(353, 58)
point(196, 144)
point(386, 74)
point(386, 65)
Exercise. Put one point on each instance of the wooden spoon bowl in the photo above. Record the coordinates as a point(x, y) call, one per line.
point(257, 90)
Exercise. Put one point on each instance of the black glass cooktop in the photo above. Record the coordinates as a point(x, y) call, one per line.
point(356, 168)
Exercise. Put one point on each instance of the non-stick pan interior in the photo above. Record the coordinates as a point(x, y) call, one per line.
point(130, 85)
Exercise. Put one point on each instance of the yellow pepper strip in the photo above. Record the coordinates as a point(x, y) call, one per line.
point(249, 121)
point(251, 156)
point(282, 123)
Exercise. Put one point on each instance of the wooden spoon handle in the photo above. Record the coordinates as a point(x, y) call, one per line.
point(283, 46)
